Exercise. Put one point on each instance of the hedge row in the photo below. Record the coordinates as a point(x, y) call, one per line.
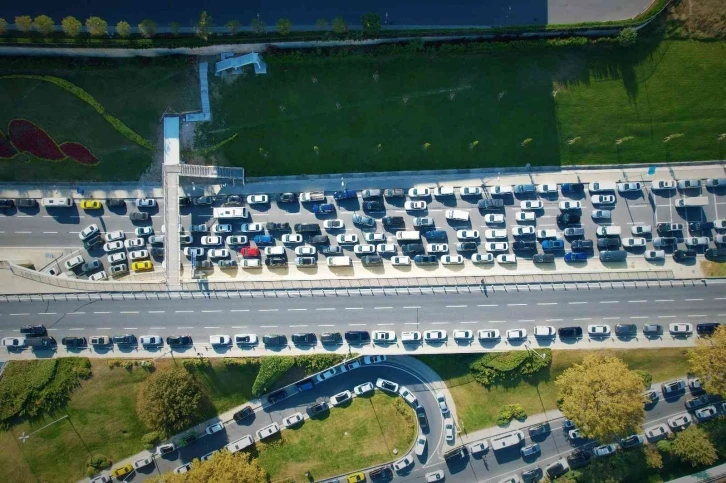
point(271, 368)
point(497, 367)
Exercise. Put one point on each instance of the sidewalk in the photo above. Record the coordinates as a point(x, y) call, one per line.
point(709, 475)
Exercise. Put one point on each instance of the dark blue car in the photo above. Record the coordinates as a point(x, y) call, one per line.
point(575, 257)
point(572, 188)
point(344, 195)
point(264, 240)
point(323, 208)
point(553, 245)
point(434, 235)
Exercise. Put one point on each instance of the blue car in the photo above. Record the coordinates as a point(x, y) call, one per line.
point(434, 235)
point(323, 208)
point(553, 245)
point(264, 240)
point(344, 195)
point(569, 188)
point(575, 257)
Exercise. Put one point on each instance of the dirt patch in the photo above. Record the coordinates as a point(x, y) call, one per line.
point(713, 269)
point(697, 19)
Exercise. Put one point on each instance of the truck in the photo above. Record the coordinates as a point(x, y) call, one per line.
point(230, 213)
point(691, 202)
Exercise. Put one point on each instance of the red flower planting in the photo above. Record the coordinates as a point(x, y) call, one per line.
point(79, 153)
point(7, 150)
point(26, 136)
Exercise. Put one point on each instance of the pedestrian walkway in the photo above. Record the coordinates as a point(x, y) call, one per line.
point(717, 474)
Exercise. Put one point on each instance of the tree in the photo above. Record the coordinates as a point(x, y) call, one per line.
point(603, 397)
point(340, 26)
point(708, 361)
point(225, 467)
point(627, 37)
point(71, 26)
point(44, 24)
point(258, 26)
point(24, 23)
point(284, 26)
point(203, 25)
point(693, 446)
point(169, 401)
point(371, 23)
point(233, 26)
point(321, 24)
point(174, 28)
point(653, 458)
point(123, 29)
point(96, 26)
point(147, 28)
point(3, 25)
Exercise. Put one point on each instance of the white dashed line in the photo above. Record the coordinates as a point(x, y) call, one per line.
point(637, 301)
point(694, 300)
point(326, 325)
point(547, 303)
point(23, 232)
point(130, 312)
point(439, 323)
point(381, 308)
point(76, 328)
point(610, 302)
point(666, 316)
point(130, 328)
point(387, 323)
point(469, 322)
point(354, 308)
point(102, 312)
point(211, 327)
point(50, 232)
point(157, 311)
point(664, 300)
point(193, 327)
point(697, 315)
point(47, 313)
point(526, 320)
point(610, 318)
point(267, 310)
point(585, 318)
point(720, 298)
point(234, 310)
point(356, 325)
point(488, 305)
point(516, 305)
point(456, 306)
point(324, 308)
point(412, 307)
point(496, 321)
point(297, 310)
point(75, 313)
point(210, 311)
point(302, 325)
point(267, 326)
point(157, 328)
point(640, 317)
point(20, 314)
point(553, 320)
point(410, 323)
point(183, 311)
point(576, 303)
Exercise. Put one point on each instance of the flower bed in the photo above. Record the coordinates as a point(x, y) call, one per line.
point(79, 153)
point(27, 137)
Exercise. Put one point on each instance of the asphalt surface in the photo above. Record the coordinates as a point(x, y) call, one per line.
point(201, 318)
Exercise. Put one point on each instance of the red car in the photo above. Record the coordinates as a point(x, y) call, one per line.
point(249, 252)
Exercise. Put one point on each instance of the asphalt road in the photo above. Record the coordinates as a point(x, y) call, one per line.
point(500, 310)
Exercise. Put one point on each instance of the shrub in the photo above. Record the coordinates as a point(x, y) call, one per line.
point(496, 367)
point(258, 26)
point(653, 459)
point(509, 412)
point(284, 26)
point(97, 463)
point(123, 29)
point(271, 368)
point(151, 439)
point(96, 26)
point(169, 401)
point(646, 376)
point(233, 26)
point(664, 445)
point(627, 37)
point(317, 362)
point(71, 26)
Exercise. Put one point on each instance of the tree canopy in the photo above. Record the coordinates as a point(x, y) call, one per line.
point(169, 401)
point(340, 26)
point(603, 397)
point(71, 26)
point(123, 29)
point(203, 25)
point(371, 23)
point(224, 467)
point(44, 24)
point(708, 361)
point(693, 446)
point(96, 26)
point(233, 26)
point(284, 26)
point(24, 23)
point(147, 28)
point(258, 26)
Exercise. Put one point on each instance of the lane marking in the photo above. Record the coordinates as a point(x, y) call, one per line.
point(131, 328)
point(75, 313)
point(185, 327)
point(267, 310)
point(157, 311)
point(212, 327)
point(129, 312)
point(664, 300)
point(496, 321)
point(267, 326)
point(637, 301)
point(76, 328)
point(354, 308)
point(547, 303)
point(697, 315)
point(526, 320)
point(24, 232)
point(488, 305)
point(47, 313)
point(50, 232)
point(456, 306)
point(102, 312)
point(694, 300)
point(515, 305)
point(183, 311)
point(412, 307)
point(234, 310)
point(297, 310)
point(210, 311)
point(302, 325)
point(666, 316)
point(381, 308)
point(553, 320)
point(326, 325)
point(585, 318)
point(720, 298)
point(610, 318)
point(157, 328)
point(576, 303)
point(323, 308)
point(387, 323)
point(439, 323)
point(356, 325)
point(640, 317)
point(21, 314)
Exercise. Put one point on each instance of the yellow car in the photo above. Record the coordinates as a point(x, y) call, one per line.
point(122, 471)
point(356, 477)
point(90, 205)
point(142, 265)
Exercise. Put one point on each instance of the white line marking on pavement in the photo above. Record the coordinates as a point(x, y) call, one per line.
point(410, 323)
point(412, 307)
point(326, 325)
point(694, 300)
point(354, 308)
point(157, 311)
point(102, 312)
point(526, 320)
point(609, 301)
point(233, 310)
point(267, 310)
point(356, 325)
point(515, 305)
point(50, 232)
point(301, 325)
point(576, 303)
point(664, 300)
point(553, 320)
point(75, 313)
point(47, 313)
point(183, 311)
point(488, 305)
point(496, 321)
point(21, 314)
point(387, 323)
point(210, 311)
point(639, 317)
point(129, 328)
point(193, 327)
point(381, 308)
point(468, 322)
point(610, 318)
point(213, 327)
point(439, 323)
point(157, 328)
point(76, 328)
point(697, 315)
point(24, 232)
point(322, 308)
point(456, 306)
point(585, 318)
point(129, 312)
point(297, 310)
point(637, 301)
point(547, 303)
point(666, 316)
point(720, 298)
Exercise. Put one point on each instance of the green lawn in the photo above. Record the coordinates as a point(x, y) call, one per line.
point(478, 406)
point(357, 436)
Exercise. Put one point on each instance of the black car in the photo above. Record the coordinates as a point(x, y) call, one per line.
point(27, 203)
point(667, 241)
point(393, 221)
point(245, 340)
point(455, 454)
point(581, 245)
point(716, 254)
point(274, 339)
point(631, 441)
point(243, 414)
point(569, 332)
point(329, 338)
point(159, 252)
point(332, 250)
point(464, 247)
point(203, 200)
point(271, 226)
point(572, 188)
point(137, 216)
point(557, 469)
point(188, 439)
point(696, 226)
point(543, 258)
point(568, 219)
point(608, 243)
point(413, 248)
point(276, 396)
point(524, 245)
point(307, 228)
point(179, 340)
point(276, 262)
point(539, 429)
point(578, 459)
point(683, 255)
point(74, 341)
point(319, 240)
point(126, 339)
point(381, 474)
point(234, 200)
point(707, 329)
point(370, 260)
point(318, 408)
point(490, 203)
point(307, 338)
point(227, 263)
point(373, 206)
point(421, 415)
point(426, 260)
point(6, 203)
point(286, 198)
point(357, 336)
point(95, 241)
point(652, 330)
point(184, 201)
point(626, 330)
point(204, 264)
point(532, 474)
point(33, 330)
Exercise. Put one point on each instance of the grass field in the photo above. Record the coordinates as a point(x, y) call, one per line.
point(357, 436)
point(478, 406)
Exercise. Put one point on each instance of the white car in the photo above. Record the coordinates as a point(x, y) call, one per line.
point(680, 421)
point(414, 205)
point(719, 239)
point(408, 396)
point(437, 248)
point(531, 205)
point(435, 476)
point(13, 342)
point(236, 240)
point(680, 328)
point(145, 202)
point(655, 433)
point(496, 234)
point(449, 429)
point(367, 360)
point(183, 469)
point(251, 227)
point(211, 240)
point(689, 183)
point(340, 398)
point(138, 255)
point(626, 187)
point(467, 234)
point(113, 246)
point(479, 447)
point(654, 254)
point(420, 445)
point(209, 455)
point(134, 242)
point(547, 188)
point(544, 331)
point(221, 228)
point(387, 386)
point(602, 199)
point(115, 235)
point(292, 420)
point(419, 192)
point(292, 238)
point(641, 230)
point(598, 330)
point(151, 340)
point(525, 216)
point(336, 224)
point(384, 336)
point(694, 241)
point(268, 431)
point(482, 258)
point(219, 253)
point(488, 334)
point(496, 246)
point(463, 334)
point(196, 251)
point(506, 258)
point(88, 231)
point(604, 450)
point(452, 260)
point(443, 406)
point(144, 231)
point(434, 335)
point(519, 230)
point(470, 191)
point(220, 340)
point(305, 250)
point(257, 199)
point(400, 261)
point(250, 263)
point(501, 189)
point(663, 184)
point(634, 242)
point(444, 191)
point(347, 239)
point(601, 214)
point(516, 334)
point(98, 276)
point(117, 258)
point(364, 249)
point(326, 375)
point(546, 233)
point(383, 248)
point(364, 388)
point(570, 205)
point(403, 463)
point(142, 462)
point(375, 237)
point(493, 218)
point(704, 414)
point(719, 224)
point(214, 428)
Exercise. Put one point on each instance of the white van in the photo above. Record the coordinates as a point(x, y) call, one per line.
point(409, 235)
point(507, 440)
point(409, 336)
point(230, 213)
point(691, 202)
point(339, 261)
point(608, 231)
point(57, 202)
point(240, 444)
point(312, 196)
point(458, 215)
point(278, 250)
point(600, 186)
